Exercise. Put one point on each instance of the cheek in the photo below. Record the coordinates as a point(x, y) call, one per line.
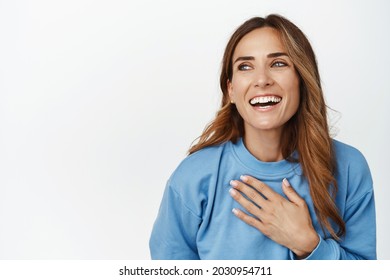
point(292, 90)
point(293, 87)
point(296, 102)
point(240, 83)
point(296, 99)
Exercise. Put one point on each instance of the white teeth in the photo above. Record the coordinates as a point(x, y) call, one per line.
point(265, 99)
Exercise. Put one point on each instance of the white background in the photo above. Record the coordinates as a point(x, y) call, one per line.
point(100, 100)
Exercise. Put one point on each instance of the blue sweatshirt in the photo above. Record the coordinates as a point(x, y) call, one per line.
point(195, 219)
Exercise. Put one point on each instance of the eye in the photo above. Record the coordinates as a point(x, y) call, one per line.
point(279, 64)
point(244, 67)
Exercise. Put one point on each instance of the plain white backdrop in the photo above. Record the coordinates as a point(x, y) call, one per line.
point(100, 100)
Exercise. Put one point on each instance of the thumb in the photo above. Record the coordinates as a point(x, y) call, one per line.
point(290, 192)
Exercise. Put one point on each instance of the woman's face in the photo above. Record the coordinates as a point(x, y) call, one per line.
point(264, 85)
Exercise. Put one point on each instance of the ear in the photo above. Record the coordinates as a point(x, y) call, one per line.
point(230, 90)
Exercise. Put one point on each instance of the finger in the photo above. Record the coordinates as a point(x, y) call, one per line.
point(247, 204)
point(261, 187)
point(248, 219)
point(291, 194)
point(250, 192)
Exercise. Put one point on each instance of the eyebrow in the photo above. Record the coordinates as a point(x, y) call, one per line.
point(271, 55)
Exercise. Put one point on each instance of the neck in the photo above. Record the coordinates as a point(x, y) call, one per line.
point(264, 145)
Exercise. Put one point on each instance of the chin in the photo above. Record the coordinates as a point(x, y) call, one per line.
point(266, 127)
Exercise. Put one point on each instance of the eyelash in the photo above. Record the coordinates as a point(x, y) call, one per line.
point(276, 64)
point(282, 64)
point(241, 67)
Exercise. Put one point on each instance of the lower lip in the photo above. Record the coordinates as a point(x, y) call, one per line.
point(266, 108)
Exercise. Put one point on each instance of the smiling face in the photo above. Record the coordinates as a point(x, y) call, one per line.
point(264, 84)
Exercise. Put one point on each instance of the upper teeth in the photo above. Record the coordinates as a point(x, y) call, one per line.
point(265, 99)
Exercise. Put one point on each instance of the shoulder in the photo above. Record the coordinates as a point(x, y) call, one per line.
point(352, 170)
point(204, 157)
point(349, 156)
point(198, 167)
point(194, 181)
point(348, 151)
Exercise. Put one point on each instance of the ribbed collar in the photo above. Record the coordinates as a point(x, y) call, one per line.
point(270, 169)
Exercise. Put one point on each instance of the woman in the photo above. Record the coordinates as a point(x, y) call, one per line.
point(295, 192)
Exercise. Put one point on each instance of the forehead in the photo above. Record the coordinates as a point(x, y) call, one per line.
point(263, 40)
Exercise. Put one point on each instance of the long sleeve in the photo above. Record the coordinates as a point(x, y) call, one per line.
point(360, 239)
point(357, 206)
point(195, 219)
point(174, 231)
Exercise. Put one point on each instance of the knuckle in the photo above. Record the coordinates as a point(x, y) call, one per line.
point(300, 201)
point(261, 187)
point(249, 179)
point(250, 221)
point(249, 207)
point(252, 195)
point(266, 230)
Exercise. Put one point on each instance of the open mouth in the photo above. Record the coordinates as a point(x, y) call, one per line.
point(265, 101)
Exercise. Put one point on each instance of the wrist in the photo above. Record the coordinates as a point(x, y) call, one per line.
point(311, 242)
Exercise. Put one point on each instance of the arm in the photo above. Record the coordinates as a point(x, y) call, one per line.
point(360, 239)
point(287, 222)
point(174, 232)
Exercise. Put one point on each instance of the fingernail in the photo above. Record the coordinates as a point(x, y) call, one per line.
point(233, 183)
point(232, 192)
point(244, 178)
point(286, 182)
point(235, 211)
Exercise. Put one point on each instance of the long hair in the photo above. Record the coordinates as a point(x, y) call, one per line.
point(307, 132)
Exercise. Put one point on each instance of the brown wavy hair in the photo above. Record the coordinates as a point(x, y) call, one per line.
point(306, 132)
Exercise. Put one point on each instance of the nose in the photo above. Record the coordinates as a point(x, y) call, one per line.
point(263, 78)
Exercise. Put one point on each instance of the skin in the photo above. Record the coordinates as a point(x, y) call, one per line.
point(259, 70)
point(262, 67)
